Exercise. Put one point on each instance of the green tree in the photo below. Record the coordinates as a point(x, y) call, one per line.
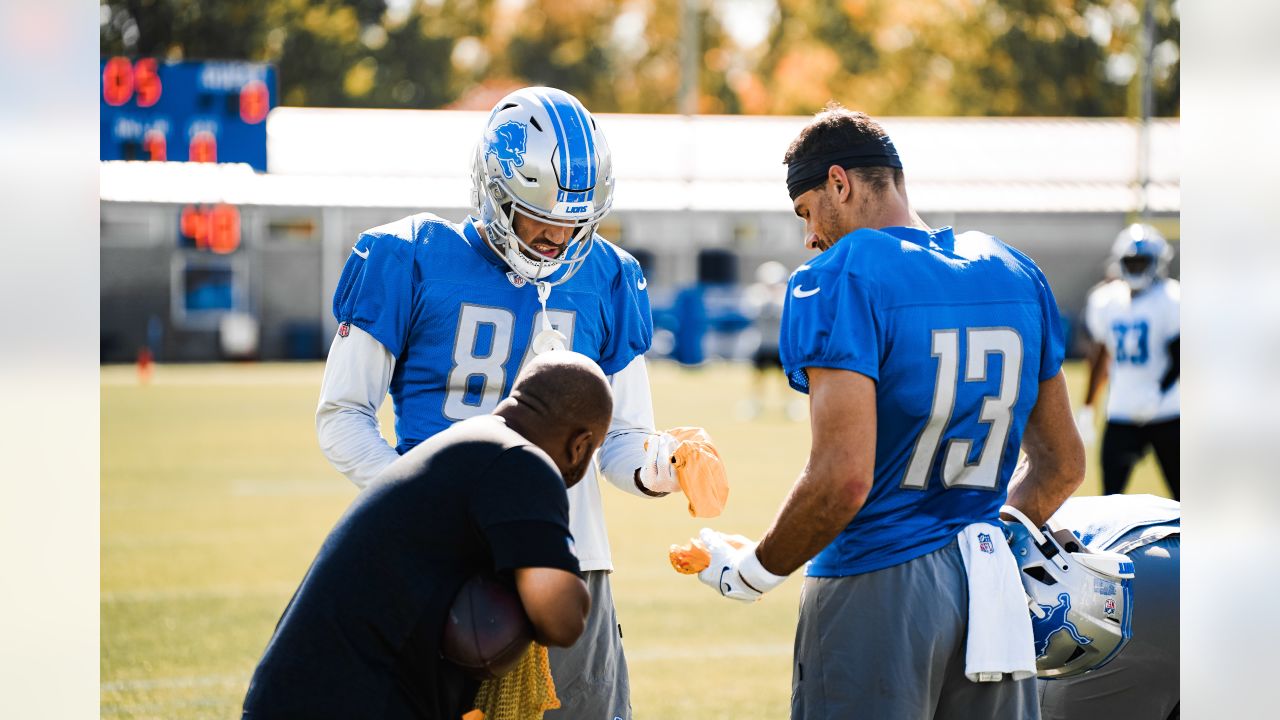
point(965, 57)
point(888, 57)
point(338, 53)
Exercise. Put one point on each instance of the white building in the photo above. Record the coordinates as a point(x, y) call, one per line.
point(1058, 189)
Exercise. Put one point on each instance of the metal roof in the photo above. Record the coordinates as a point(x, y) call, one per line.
point(422, 158)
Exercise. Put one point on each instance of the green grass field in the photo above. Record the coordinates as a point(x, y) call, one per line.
point(215, 498)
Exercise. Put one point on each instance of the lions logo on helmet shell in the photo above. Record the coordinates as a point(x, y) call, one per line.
point(507, 144)
point(1054, 621)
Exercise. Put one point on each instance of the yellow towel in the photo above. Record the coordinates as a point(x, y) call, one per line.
point(522, 694)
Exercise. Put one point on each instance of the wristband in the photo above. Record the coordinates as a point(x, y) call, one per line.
point(755, 575)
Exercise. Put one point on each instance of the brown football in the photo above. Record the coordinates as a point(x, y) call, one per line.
point(487, 630)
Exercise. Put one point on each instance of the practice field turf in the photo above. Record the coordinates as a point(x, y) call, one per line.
point(215, 498)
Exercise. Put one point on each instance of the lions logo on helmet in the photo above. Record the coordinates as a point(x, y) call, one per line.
point(565, 179)
point(507, 143)
point(1055, 620)
point(1080, 599)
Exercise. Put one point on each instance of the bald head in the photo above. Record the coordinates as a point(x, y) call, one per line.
point(564, 388)
point(561, 402)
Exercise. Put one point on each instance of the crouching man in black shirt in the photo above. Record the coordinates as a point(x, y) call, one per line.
point(360, 638)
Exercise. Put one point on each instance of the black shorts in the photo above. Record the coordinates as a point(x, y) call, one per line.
point(1124, 444)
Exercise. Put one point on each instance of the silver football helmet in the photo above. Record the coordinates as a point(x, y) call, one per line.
point(542, 156)
point(1080, 599)
point(1143, 255)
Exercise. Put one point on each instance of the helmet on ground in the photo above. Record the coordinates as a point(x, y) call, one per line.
point(1080, 599)
point(1143, 254)
point(542, 156)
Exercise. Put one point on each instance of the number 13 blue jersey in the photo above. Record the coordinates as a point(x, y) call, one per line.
point(958, 333)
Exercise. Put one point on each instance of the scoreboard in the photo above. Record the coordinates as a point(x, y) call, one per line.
point(209, 111)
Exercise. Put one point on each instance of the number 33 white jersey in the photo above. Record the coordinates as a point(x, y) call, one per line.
point(1136, 331)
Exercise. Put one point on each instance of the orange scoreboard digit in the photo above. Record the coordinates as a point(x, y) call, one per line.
point(209, 111)
point(212, 228)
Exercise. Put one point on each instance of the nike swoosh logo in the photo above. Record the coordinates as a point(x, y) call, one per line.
point(725, 588)
point(363, 255)
point(800, 292)
point(644, 283)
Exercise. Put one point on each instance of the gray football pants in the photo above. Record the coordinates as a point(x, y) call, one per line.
point(889, 645)
point(1141, 682)
point(591, 677)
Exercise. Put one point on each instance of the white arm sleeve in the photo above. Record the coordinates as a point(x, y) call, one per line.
point(356, 378)
point(622, 452)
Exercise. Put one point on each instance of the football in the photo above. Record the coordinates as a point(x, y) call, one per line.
point(487, 630)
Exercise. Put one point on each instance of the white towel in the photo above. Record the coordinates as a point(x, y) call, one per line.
point(1000, 639)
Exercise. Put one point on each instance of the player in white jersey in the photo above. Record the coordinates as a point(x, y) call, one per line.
point(1135, 328)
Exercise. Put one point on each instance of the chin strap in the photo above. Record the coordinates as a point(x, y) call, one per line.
point(1021, 517)
point(544, 292)
point(548, 339)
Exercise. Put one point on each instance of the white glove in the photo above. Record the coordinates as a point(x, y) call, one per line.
point(1086, 425)
point(735, 573)
point(658, 474)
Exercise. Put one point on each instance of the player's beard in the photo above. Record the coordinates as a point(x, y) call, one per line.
point(826, 222)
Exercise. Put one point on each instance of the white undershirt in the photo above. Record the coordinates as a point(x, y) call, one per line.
point(357, 377)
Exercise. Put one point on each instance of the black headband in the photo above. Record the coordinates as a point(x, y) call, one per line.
point(808, 173)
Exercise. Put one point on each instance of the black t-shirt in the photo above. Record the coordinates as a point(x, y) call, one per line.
point(360, 638)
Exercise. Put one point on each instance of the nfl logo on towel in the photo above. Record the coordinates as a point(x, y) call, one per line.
point(1109, 607)
point(984, 543)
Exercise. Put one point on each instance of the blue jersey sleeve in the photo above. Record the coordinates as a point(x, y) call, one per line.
point(630, 331)
point(828, 321)
point(375, 291)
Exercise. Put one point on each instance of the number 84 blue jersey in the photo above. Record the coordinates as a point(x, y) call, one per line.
point(958, 332)
point(459, 324)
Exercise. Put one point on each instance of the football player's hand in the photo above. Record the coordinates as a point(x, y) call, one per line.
point(735, 572)
point(1086, 425)
point(685, 459)
point(693, 558)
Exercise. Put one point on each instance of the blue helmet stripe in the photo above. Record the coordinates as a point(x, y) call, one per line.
point(559, 131)
point(576, 153)
point(579, 161)
point(581, 112)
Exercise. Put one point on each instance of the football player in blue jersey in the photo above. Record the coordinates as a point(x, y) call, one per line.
point(444, 314)
point(930, 358)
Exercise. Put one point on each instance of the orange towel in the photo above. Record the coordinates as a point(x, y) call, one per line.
point(700, 472)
